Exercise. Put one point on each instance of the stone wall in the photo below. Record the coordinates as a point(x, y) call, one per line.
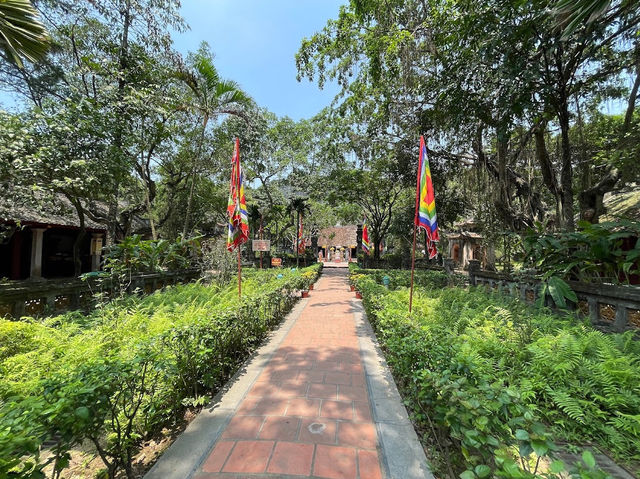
point(39, 298)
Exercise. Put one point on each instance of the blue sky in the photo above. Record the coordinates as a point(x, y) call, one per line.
point(255, 42)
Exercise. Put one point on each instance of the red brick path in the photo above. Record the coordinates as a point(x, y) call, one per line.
point(308, 413)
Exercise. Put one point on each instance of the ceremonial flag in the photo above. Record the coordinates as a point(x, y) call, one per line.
point(301, 244)
point(426, 217)
point(366, 246)
point(237, 207)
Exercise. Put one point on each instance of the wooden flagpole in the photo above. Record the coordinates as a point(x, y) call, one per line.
point(239, 272)
point(413, 264)
point(415, 221)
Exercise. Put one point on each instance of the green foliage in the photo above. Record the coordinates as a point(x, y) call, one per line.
point(501, 381)
point(22, 33)
point(134, 255)
point(131, 368)
point(401, 278)
point(605, 252)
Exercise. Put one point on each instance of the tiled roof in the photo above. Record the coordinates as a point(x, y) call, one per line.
point(338, 236)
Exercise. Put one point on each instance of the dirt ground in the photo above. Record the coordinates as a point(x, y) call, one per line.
point(86, 463)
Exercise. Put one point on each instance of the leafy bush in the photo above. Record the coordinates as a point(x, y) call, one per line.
point(130, 369)
point(604, 252)
point(496, 382)
point(135, 255)
point(402, 278)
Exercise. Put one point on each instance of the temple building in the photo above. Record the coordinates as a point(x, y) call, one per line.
point(39, 244)
point(466, 243)
point(338, 242)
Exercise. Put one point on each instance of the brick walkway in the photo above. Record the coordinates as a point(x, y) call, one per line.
point(308, 413)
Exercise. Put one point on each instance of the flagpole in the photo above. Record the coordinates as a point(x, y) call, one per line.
point(415, 221)
point(413, 264)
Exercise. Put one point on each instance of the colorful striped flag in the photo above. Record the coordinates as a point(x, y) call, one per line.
point(366, 246)
point(237, 206)
point(426, 217)
point(301, 244)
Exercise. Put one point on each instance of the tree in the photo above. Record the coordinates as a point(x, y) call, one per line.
point(299, 207)
point(21, 32)
point(212, 96)
point(482, 81)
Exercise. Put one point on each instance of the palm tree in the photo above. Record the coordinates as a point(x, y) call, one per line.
point(21, 33)
point(299, 207)
point(212, 96)
point(574, 13)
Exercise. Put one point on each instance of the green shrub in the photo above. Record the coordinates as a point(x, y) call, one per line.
point(497, 382)
point(130, 368)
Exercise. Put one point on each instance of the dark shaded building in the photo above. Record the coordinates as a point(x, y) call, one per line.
point(37, 244)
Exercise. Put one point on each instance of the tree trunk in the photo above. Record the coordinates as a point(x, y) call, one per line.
point(592, 200)
point(376, 250)
point(296, 241)
point(123, 54)
point(566, 173)
point(187, 216)
point(546, 168)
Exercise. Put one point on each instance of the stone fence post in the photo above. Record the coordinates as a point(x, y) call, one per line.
point(474, 266)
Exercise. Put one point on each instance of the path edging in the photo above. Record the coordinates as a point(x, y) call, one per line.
point(401, 452)
point(187, 453)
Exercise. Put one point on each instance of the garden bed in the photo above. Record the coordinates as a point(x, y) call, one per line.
point(120, 375)
point(495, 385)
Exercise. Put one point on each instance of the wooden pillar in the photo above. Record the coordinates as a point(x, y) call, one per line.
point(36, 253)
point(16, 256)
point(96, 251)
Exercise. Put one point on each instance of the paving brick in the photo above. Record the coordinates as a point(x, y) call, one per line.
point(292, 389)
point(357, 434)
point(314, 376)
point(352, 393)
point(247, 406)
point(369, 465)
point(357, 379)
point(303, 407)
point(323, 391)
point(280, 428)
point(263, 389)
point(327, 366)
point(291, 458)
point(249, 456)
point(216, 459)
point(271, 407)
point(337, 410)
point(335, 462)
point(362, 411)
point(319, 430)
point(243, 427)
point(333, 377)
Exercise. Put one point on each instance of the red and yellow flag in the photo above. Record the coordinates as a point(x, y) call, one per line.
point(237, 206)
point(426, 217)
point(366, 245)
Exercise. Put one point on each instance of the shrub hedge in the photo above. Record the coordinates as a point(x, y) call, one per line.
point(117, 375)
point(495, 383)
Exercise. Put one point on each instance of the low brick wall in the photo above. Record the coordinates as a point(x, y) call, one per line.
point(37, 298)
point(609, 307)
